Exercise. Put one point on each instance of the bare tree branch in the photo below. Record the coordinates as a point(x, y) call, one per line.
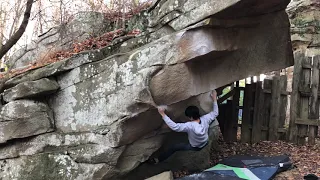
point(17, 35)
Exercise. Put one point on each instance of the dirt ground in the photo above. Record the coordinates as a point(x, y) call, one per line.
point(306, 159)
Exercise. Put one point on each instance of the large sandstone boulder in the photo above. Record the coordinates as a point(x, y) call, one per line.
point(124, 89)
point(105, 119)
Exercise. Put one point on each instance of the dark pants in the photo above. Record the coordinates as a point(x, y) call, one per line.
point(177, 147)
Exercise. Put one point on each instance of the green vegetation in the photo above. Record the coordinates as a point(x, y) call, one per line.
point(228, 89)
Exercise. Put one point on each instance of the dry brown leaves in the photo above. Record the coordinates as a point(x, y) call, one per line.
point(113, 14)
point(97, 42)
point(306, 159)
point(77, 47)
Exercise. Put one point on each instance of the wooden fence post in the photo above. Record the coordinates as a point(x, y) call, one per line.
point(225, 118)
point(283, 106)
point(246, 113)
point(235, 113)
point(275, 106)
point(267, 85)
point(304, 100)
point(292, 135)
point(314, 105)
point(258, 113)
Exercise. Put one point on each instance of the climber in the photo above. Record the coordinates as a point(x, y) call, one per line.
point(197, 129)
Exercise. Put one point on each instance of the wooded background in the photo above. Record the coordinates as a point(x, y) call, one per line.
point(22, 21)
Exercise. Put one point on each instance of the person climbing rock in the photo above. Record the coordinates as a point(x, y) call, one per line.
point(197, 129)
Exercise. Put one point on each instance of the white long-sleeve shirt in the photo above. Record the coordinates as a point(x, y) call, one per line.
point(197, 132)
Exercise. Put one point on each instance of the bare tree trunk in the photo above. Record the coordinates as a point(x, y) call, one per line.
point(40, 19)
point(17, 15)
point(123, 15)
point(61, 13)
point(17, 35)
point(3, 15)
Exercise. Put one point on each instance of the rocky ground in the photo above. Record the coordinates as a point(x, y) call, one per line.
point(306, 159)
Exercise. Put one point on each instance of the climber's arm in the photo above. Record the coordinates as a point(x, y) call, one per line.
point(208, 118)
point(178, 127)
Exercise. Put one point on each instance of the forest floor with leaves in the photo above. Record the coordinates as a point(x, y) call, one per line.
point(305, 159)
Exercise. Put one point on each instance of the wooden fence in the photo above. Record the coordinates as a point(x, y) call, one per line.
point(265, 106)
point(264, 110)
point(304, 106)
point(228, 113)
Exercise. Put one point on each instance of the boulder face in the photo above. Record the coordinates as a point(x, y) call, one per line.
point(305, 26)
point(305, 32)
point(24, 118)
point(98, 119)
point(29, 89)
